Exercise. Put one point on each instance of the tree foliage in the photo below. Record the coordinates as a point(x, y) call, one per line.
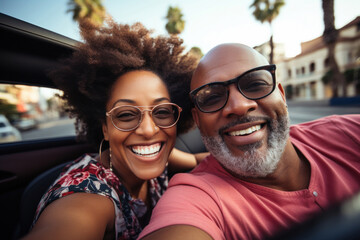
point(352, 75)
point(7, 109)
point(267, 11)
point(92, 10)
point(196, 52)
point(175, 24)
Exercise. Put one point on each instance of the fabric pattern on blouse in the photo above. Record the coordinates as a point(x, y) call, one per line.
point(87, 175)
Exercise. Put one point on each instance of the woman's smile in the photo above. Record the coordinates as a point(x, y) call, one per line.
point(146, 151)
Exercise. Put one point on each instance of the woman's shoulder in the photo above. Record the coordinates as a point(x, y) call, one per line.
point(84, 175)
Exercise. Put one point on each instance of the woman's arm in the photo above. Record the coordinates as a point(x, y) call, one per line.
point(77, 216)
point(180, 161)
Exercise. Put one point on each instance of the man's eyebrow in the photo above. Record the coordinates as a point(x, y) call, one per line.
point(158, 100)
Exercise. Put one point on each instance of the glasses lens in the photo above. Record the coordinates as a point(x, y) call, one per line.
point(126, 117)
point(256, 84)
point(211, 97)
point(165, 115)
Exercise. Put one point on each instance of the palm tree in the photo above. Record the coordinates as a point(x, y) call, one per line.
point(175, 24)
point(92, 10)
point(267, 11)
point(330, 37)
point(196, 52)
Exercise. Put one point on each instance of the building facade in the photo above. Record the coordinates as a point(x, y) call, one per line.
point(279, 51)
point(302, 76)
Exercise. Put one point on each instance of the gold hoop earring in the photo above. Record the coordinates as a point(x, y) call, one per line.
point(100, 148)
point(110, 162)
point(101, 143)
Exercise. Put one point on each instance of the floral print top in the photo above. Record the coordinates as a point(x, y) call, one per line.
point(87, 175)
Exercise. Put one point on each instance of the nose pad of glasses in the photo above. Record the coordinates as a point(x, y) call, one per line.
point(147, 123)
point(238, 103)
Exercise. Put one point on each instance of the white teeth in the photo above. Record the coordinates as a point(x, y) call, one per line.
point(146, 151)
point(245, 131)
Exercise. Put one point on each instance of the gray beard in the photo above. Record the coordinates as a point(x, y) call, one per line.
point(253, 163)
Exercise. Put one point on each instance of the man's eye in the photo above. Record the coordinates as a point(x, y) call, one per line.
point(211, 98)
point(254, 86)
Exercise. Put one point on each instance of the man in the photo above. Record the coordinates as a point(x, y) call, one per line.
point(257, 180)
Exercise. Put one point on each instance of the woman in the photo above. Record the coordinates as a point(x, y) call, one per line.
point(122, 86)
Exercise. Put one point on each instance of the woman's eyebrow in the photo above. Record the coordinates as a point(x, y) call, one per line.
point(124, 101)
point(158, 100)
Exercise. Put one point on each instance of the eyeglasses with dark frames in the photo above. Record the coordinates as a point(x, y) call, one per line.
point(128, 118)
point(253, 84)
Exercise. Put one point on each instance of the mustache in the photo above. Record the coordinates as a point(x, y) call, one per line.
point(241, 120)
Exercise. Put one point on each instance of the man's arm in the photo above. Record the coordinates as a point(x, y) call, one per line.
point(178, 232)
point(190, 208)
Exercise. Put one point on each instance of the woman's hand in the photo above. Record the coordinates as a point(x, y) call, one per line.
point(180, 161)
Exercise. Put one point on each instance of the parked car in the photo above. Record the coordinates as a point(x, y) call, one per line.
point(8, 133)
point(24, 124)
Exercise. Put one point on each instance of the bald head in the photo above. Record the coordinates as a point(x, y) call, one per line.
point(226, 61)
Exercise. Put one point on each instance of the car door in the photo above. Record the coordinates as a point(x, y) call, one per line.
point(27, 53)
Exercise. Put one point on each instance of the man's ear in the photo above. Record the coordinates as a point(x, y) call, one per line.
point(195, 116)
point(282, 92)
point(105, 131)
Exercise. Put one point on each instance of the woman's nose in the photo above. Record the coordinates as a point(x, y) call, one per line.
point(238, 104)
point(147, 127)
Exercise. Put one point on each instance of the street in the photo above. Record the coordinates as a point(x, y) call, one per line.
point(299, 112)
point(303, 112)
point(62, 127)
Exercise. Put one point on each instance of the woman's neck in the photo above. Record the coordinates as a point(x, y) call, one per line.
point(136, 187)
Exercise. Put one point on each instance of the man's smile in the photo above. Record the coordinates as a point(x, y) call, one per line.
point(245, 131)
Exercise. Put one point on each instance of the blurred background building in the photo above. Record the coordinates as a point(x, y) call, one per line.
point(304, 77)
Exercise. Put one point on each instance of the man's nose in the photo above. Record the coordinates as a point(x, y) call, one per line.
point(147, 127)
point(238, 104)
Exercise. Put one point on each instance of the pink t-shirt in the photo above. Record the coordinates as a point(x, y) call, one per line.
point(227, 208)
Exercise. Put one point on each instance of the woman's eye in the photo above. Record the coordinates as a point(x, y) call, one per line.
point(126, 116)
point(163, 113)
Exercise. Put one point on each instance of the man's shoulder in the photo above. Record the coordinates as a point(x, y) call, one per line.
point(207, 172)
point(339, 131)
point(339, 121)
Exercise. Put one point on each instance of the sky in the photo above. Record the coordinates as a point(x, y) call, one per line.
point(207, 22)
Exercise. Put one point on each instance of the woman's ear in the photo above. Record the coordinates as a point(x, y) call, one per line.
point(105, 131)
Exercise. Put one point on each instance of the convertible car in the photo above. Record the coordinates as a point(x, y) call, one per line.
point(28, 166)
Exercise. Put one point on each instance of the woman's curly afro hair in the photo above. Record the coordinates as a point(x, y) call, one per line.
point(107, 53)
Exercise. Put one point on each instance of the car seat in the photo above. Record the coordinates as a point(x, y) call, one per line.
point(31, 197)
